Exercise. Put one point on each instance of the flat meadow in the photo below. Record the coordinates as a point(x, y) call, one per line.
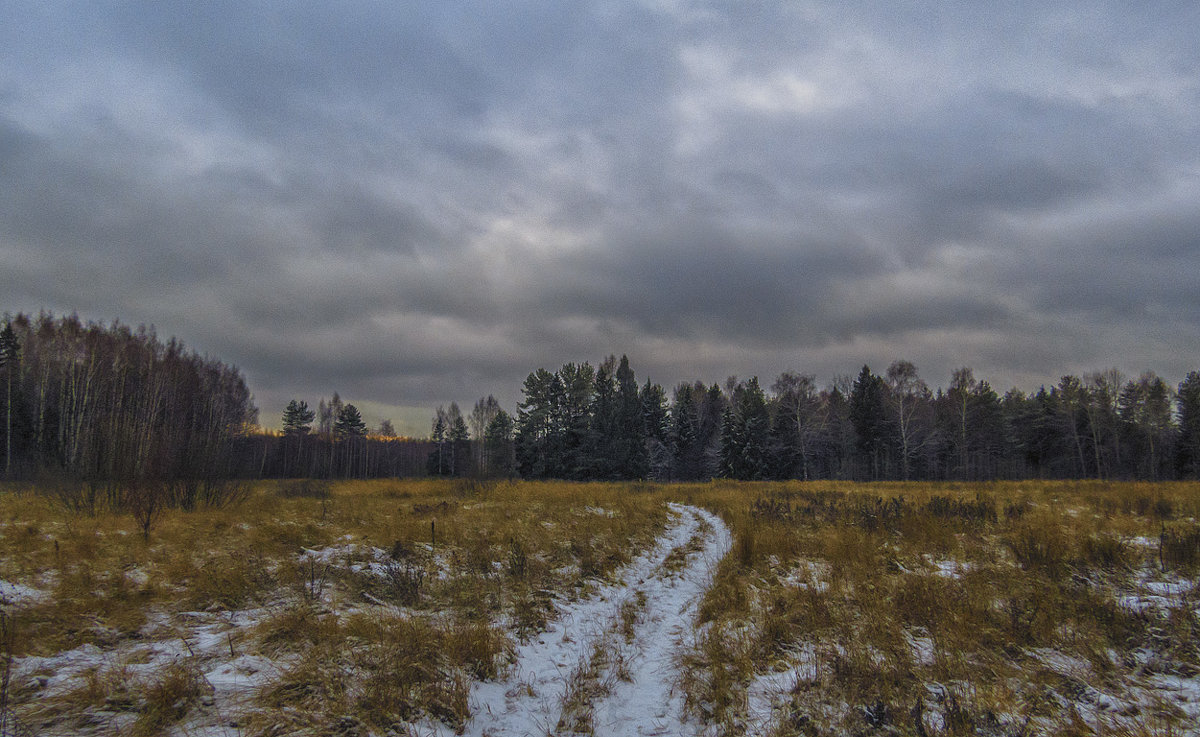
point(382, 607)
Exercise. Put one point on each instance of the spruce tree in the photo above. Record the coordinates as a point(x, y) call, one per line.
point(498, 445)
point(629, 427)
point(656, 428)
point(685, 434)
point(868, 413)
point(1189, 426)
point(745, 433)
point(601, 453)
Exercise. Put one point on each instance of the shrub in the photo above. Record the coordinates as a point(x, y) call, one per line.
point(169, 697)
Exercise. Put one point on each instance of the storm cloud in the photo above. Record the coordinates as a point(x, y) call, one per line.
point(417, 203)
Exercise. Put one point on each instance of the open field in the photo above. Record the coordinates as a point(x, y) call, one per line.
point(423, 607)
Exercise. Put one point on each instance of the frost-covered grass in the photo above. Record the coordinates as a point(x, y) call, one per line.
point(1022, 608)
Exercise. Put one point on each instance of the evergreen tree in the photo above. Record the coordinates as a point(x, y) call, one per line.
point(458, 437)
point(842, 434)
point(351, 430)
point(538, 439)
point(1145, 407)
point(629, 427)
point(685, 433)
point(868, 413)
point(745, 433)
point(498, 445)
point(573, 418)
point(1189, 426)
point(657, 430)
point(438, 464)
point(297, 422)
point(349, 423)
point(1103, 423)
point(297, 418)
point(602, 433)
point(712, 417)
point(987, 432)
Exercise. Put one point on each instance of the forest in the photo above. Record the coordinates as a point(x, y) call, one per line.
point(115, 408)
point(584, 422)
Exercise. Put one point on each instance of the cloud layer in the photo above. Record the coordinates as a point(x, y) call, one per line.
point(411, 205)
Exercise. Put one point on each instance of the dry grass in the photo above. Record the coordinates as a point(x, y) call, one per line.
point(415, 587)
point(1007, 608)
point(952, 609)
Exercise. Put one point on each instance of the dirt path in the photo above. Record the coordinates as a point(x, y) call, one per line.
point(607, 665)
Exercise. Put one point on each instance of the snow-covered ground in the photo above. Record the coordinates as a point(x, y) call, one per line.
point(611, 659)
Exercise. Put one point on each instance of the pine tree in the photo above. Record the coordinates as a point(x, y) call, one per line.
point(438, 463)
point(458, 437)
point(538, 433)
point(349, 423)
point(297, 418)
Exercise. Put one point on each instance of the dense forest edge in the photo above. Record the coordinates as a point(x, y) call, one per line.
point(109, 413)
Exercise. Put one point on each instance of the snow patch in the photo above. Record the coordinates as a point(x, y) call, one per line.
point(16, 594)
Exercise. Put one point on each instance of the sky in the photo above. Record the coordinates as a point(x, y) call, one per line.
point(412, 203)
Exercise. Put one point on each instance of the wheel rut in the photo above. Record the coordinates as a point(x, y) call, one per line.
point(608, 665)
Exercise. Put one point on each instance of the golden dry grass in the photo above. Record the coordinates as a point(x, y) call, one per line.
point(449, 573)
point(952, 608)
point(900, 608)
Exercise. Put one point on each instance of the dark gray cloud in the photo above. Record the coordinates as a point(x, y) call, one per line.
point(417, 204)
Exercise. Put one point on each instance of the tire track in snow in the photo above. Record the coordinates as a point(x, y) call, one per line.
point(529, 701)
point(648, 703)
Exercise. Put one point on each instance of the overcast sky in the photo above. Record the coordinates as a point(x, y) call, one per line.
point(417, 202)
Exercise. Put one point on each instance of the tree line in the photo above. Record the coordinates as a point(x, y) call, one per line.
point(339, 445)
point(110, 413)
point(115, 410)
point(587, 422)
point(118, 410)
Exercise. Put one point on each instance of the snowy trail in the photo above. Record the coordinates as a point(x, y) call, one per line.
point(647, 702)
point(529, 702)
